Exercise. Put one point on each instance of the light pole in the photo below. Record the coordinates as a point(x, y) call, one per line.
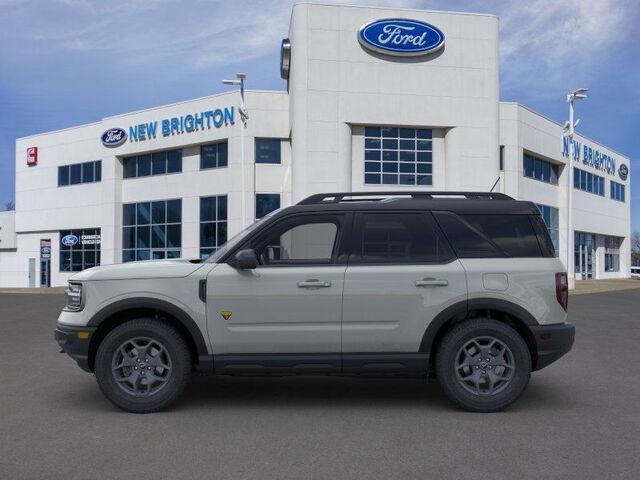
point(244, 116)
point(577, 94)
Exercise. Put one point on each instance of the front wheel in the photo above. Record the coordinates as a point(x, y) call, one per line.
point(143, 365)
point(483, 365)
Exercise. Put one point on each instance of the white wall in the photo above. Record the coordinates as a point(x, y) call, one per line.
point(336, 86)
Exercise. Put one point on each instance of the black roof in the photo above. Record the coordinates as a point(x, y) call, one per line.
point(457, 202)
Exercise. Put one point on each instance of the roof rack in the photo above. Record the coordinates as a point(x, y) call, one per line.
point(354, 196)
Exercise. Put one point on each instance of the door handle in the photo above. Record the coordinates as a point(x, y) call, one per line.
point(314, 284)
point(432, 282)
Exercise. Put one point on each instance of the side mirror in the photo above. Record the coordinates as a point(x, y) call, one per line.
point(245, 260)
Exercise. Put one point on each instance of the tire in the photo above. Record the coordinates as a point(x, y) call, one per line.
point(143, 365)
point(474, 383)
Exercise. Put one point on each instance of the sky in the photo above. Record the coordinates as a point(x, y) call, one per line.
point(68, 62)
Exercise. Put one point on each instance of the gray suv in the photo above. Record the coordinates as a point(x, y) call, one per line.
point(464, 287)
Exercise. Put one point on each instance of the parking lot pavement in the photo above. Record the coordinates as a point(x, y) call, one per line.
point(579, 418)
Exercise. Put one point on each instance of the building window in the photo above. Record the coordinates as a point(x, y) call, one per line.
point(501, 160)
point(151, 230)
point(588, 182)
point(159, 163)
point(611, 254)
point(539, 169)
point(268, 150)
point(213, 224)
point(617, 191)
point(397, 156)
point(79, 249)
point(88, 172)
point(550, 217)
point(266, 203)
point(213, 155)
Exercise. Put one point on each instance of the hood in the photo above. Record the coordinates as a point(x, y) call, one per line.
point(147, 269)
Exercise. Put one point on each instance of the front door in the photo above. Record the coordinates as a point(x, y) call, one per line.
point(585, 245)
point(401, 274)
point(290, 304)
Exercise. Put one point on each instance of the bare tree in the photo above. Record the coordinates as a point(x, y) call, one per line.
point(635, 248)
point(10, 205)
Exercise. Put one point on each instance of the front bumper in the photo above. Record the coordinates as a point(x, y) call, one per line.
point(75, 341)
point(552, 342)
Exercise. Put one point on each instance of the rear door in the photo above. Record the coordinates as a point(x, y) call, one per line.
point(401, 274)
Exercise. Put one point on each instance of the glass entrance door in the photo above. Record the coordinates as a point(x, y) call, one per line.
point(584, 255)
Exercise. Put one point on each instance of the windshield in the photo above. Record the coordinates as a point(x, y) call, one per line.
point(237, 238)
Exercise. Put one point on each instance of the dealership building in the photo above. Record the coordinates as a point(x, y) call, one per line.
point(376, 99)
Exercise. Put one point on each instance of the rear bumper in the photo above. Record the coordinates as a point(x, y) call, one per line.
point(552, 342)
point(74, 341)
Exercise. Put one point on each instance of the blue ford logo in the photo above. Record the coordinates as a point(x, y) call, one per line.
point(623, 171)
point(69, 240)
point(114, 137)
point(401, 37)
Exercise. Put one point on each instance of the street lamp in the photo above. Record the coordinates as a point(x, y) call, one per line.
point(244, 116)
point(577, 94)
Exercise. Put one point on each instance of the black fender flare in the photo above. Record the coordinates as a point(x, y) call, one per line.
point(460, 310)
point(156, 304)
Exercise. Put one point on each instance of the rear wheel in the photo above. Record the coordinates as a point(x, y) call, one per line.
point(143, 365)
point(483, 365)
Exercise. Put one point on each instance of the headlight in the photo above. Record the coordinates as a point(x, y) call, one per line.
point(74, 297)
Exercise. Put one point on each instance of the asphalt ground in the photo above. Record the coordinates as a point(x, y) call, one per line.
point(579, 418)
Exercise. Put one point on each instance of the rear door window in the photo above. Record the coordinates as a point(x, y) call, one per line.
point(398, 238)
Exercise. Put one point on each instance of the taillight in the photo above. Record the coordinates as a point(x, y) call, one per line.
point(562, 289)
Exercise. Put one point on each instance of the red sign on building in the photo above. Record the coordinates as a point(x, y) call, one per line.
point(32, 156)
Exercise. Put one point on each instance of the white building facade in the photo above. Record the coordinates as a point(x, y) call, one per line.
point(168, 182)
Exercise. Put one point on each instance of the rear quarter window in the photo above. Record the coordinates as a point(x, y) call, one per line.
point(490, 235)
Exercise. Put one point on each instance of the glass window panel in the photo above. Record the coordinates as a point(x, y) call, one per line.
point(372, 131)
point(129, 237)
point(173, 253)
point(129, 214)
point(158, 236)
point(423, 144)
point(408, 145)
point(158, 255)
point(174, 211)
point(143, 216)
point(222, 233)
point(143, 237)
point(424, 167)
point(87, 172)
point(222, 207)
point(98, 171)
point(208, 234)
point(209, 156)
point(390, 144)
point(266, 203)
point(174, 236)
point(407, 180)
point(267, 150)
point(159, 163)
point(143, 255)
point(372, 167)
point(63, 176)
point(370, 178)
point(207, 209)
point(424, 133)
point(128, 255)
point(65, 261)
point(75, 174)
point(222, 154)
point(129, 167)
point(389, 132)
point(423, 156)
point(174, 161)
point(407, 168)
point(407, 156)
point(372, 143)
point(425, 179)
point(390, 167)
point(372, 154)
point(407, 133)
point(144, 165)
point(390, 179)
point(158, 212)
point(390, 155)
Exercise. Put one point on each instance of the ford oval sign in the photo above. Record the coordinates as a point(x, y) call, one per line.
point(69, 240)
point(401, 37)
point(623, 171)
point(114, 137)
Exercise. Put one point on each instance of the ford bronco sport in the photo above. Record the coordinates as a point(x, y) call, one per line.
point(461, 286)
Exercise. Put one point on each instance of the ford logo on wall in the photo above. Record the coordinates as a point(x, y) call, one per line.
point(401, 37)
point(623, 171)
point(114, 137)
point(69, 240)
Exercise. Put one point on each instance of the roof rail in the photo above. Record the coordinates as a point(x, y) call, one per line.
point(353, 196)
